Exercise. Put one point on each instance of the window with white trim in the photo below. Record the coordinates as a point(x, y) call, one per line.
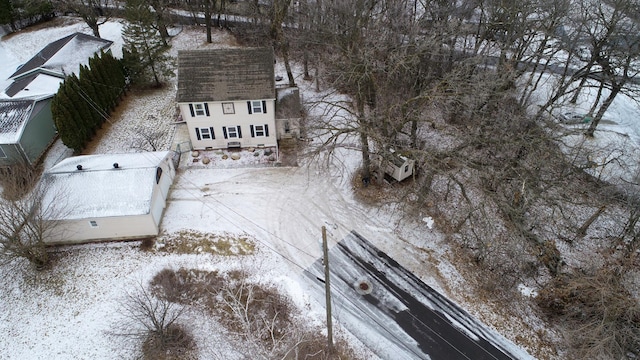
point(205, 134)
point(232, 132)
point(256, 107)
point(199, 109)
point(259, 130)
point(2, 154)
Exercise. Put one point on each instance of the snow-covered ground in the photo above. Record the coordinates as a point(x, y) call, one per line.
point(71, 311)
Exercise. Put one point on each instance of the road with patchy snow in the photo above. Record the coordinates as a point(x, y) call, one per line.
point(396, 314)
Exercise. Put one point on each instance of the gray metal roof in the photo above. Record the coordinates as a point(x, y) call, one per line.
point(225, 74)
point(13, 115)
point(78, 44)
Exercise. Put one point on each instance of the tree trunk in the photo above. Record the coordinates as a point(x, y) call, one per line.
point(162, 29)
point(414, 134)
point(207, 20)
point(306, 65)
point(605, 105)
point(366, 160)
point(364, 140)
point(582, 231)
point(287, 65)
point(594, 106)
point(93, 24)
point(575, 96)
point(317, 75)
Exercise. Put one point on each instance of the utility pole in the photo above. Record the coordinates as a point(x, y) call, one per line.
point(327, 289)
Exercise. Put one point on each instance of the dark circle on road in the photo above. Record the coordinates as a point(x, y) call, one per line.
point(363, 287)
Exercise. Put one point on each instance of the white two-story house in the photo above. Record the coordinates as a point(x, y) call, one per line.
point(227, 97)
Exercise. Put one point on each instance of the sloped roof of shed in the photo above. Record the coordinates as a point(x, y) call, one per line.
point(225, 74)
point(100, 189)
point(65, 55)
point(13, 116)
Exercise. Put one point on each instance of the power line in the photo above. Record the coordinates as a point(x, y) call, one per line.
point(348, 299)
point(208, 205)
point(335, 289)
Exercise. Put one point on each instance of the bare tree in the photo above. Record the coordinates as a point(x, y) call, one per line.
point(278, 14)
point(154, 322)
point(93, 12)
point(25, 217)
point(161, 11)
point(149, 139)
point(598, 312)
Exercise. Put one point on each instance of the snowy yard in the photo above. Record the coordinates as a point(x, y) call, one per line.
point(72, 311)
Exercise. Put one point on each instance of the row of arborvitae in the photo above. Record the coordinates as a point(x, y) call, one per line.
point(82, 104)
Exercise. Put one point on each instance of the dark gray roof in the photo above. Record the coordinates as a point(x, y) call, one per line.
point(225, 74)
point(53, 48)
point(24, 81)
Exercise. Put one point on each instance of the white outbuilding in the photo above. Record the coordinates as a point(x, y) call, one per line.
point(108, 196)
point(397, 166)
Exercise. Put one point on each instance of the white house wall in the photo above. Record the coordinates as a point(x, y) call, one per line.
point(218, 120)
point(161, 190)
point(107, 228)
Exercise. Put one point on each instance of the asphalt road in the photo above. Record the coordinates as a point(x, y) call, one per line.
point(397, 315)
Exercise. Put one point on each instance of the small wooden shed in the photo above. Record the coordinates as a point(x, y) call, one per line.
point(26, 130)
point(397, 166)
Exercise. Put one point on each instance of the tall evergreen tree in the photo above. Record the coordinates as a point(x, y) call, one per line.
point(146, 54)
point(116, 72)
point(91, 94)
point(70, 132)
point(6, 12)
point(102, 83)
point(81, 112)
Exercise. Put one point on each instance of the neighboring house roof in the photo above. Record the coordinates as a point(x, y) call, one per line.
point(65, 55)
point(225, 75)
point(100, 189)
point(14, 115)
point(35, 84)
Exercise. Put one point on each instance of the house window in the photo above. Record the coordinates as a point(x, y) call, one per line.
point(199, 109)
point(227, 108)
point(158, 174)
point(2, 154)
point(93, 223)
point(257, 107)
point(259, 130)
point(205, 133)
point(232, 132)
point(406, 168)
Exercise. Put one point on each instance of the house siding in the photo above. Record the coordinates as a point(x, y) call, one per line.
point(219, 121)
point(109, 228)
point(38, 133)
point(161, 192)
point(13, 155)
